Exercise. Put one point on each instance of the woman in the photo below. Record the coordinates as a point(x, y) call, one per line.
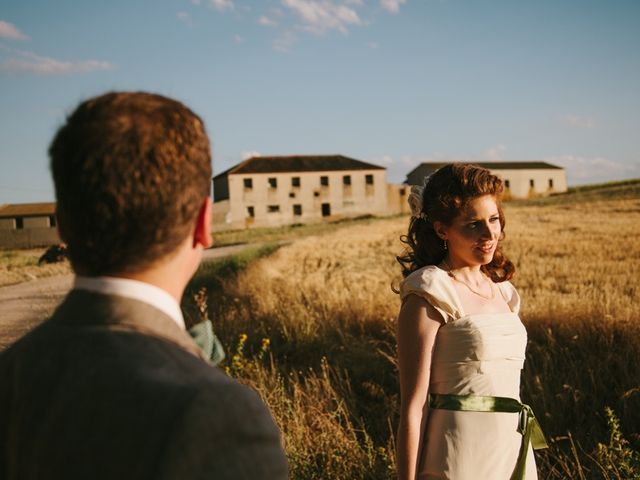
point(460, 341)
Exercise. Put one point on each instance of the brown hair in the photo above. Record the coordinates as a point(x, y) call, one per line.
point(131, 171)
point(446, 193)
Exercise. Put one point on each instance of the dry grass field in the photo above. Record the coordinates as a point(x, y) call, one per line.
point(319, 318)
point(22, 265)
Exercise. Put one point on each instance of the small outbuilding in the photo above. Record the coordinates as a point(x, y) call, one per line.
point(521, 179)
point(27, 225)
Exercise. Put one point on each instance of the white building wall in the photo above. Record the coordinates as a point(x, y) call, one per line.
point(7, 224)
point(36, 222)
point(220, 215)
point(397, 195)
point(344, 200)
point(520, 181)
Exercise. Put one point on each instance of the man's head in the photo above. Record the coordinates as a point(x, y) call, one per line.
point(131, 173)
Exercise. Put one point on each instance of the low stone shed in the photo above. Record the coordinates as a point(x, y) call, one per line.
point(28, 225)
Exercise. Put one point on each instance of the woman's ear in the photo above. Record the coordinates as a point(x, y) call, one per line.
point(440, 229)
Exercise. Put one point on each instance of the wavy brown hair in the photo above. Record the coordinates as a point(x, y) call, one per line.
point(446, 193)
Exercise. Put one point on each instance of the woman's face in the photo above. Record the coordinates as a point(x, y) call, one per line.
point(473, 235)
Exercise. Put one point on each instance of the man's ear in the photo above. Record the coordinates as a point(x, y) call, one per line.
point(60, 226)
point(202, 232)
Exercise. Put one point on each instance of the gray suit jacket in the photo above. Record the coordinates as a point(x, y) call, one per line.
point(112, 388)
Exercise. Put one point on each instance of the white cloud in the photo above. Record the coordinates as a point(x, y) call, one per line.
point(250, 153)
point(196, 2)
point(185, 17)
point(372, 45)
point(578, 121)
point(494, 153)
point(29, 62)
point(284, 42)
point(266, 21)
point(239, 39)
point(392, 6)
point(222, 5)
point(10, 31)
point(320, 15)
point(594, 169)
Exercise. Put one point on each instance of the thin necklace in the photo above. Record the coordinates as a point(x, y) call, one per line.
point(451, 274)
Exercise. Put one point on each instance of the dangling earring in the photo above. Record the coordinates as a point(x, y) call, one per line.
point(445, 244)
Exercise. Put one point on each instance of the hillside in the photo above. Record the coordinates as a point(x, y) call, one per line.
point(626, 189)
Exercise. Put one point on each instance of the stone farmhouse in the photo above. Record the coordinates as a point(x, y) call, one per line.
point(28, 225)
point(280, 190)
point(521, 179)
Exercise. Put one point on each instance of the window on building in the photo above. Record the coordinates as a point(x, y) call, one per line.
point(273, 208)
point(52, 221)
point(19, 223)
point(324, 181)
point(248, 183)
point(532, 183)
point(273, 182)
point(368, 179)
point(316, 193)
point(346, 179)
point(292, 194)
point(297, 210)
point(295, 182)
point(507, 184)
point(551, 183)
point(326, 210)
point(402, 192)
point(251, 212)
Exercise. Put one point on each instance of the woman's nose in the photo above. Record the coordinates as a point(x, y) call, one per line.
point(487, 230)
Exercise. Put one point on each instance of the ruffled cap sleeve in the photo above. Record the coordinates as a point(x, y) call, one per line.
point(431, 284)
point(510, 295)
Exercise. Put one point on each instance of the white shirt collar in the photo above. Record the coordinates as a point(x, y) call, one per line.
point(125, 287)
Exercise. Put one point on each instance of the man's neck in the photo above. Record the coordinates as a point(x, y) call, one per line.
point(171, 274)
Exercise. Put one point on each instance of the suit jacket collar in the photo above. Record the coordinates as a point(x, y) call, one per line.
point(83, 308)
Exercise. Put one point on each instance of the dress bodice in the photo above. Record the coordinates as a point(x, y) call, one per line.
point(479, 354)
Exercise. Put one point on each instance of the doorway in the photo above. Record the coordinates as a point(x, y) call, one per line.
point(326, 209)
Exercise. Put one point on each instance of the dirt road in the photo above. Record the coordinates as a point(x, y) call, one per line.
point(25, 305)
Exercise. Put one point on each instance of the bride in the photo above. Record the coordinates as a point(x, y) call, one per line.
point(461, 344)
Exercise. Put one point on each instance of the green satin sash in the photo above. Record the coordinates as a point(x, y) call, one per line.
point(528, 426)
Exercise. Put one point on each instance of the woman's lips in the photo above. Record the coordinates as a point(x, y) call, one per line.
point(486, 248)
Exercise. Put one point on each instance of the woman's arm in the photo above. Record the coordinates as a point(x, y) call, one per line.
point(418, 324)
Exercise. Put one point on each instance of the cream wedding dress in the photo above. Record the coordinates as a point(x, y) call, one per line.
point(477, 354)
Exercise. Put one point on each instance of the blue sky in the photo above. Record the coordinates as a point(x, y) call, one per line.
point(393, 82)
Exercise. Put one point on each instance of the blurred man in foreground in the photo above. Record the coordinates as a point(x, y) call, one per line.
point(112, 387)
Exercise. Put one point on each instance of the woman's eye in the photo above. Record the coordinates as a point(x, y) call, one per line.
point(495, 219)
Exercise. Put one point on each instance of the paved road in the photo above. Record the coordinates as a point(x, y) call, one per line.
point(25, 305)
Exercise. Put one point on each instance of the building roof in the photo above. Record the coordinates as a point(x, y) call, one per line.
point(27, 209)
point(299, 163)
point(535, 165)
